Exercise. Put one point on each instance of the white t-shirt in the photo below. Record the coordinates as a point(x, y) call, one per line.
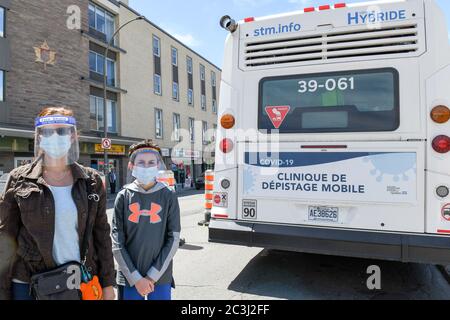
point(66, 245)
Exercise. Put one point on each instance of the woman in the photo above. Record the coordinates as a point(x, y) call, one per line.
point(46, 208)
point(146, 229)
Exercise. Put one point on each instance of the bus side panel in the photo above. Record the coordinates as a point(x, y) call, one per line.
point(375, 186)
point(438, 165)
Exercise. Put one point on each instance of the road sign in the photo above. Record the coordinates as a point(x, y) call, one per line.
point(106, 144)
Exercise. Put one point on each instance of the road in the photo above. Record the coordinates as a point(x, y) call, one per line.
point(205, 271)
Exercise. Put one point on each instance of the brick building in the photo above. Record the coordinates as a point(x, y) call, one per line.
point(47, 59)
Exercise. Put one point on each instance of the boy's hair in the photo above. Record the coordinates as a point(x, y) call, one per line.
point(143, 145)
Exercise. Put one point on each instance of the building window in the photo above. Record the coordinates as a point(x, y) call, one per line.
point(204, 132)
point(158, 123)
point(176, 127)
point(189, 65)
point(111, 74)
point(202, 72)
point(96, 118)
point(190, 97)
point(156, 46)
point(214, 106)
point(175, 94)
point(2, 22)
point(101, 20)
point(96, 64)
point(203, 102)
point(157, 84)
point(213, 79)
point(2, 85)
point(174, 57)
point(192, 129)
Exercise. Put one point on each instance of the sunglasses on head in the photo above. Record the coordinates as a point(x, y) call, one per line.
point(63, 131)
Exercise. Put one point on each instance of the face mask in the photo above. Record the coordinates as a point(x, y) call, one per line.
point(56, 146)
point(145, 175)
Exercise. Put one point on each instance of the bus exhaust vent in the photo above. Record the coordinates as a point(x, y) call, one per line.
point(333, 46)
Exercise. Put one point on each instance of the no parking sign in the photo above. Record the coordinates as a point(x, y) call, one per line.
point(446, 212)
point(106, 144)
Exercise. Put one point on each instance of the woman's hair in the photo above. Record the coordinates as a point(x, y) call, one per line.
point(142, 145)
point(56, 110)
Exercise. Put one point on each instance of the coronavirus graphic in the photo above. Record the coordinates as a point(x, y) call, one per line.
point(249, 179)
point(396, 165)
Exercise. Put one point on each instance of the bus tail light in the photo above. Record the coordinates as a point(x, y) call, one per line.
point(227, 121)
point(441, 144)
point(226, 145)
point(440, 114)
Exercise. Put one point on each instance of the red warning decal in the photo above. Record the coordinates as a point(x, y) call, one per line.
point(277, 114)
point(446, 212)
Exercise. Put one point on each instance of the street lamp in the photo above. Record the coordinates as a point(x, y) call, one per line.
point(105, 93)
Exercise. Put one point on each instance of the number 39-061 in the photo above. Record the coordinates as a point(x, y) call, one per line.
point(331, 84)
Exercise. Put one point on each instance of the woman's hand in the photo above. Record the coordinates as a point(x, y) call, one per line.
point(144, 287)
point(109, 294)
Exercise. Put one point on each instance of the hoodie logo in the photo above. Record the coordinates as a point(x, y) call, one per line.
point(137, 213)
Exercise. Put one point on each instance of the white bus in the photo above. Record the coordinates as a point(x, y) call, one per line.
point(354, 101)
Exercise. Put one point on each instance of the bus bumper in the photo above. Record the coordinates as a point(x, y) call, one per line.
point(402, 247)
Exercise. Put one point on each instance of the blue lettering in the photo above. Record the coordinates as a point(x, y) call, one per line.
point(363, 17)
point(393, 15)
point(353, 18)
point(374, 16)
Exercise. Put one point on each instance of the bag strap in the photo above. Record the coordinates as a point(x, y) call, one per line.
point(92, 197)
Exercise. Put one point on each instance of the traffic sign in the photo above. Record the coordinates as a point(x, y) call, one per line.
point(106, 144)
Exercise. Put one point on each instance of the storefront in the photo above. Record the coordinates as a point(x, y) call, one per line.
point(187, 165)
point(15, 152)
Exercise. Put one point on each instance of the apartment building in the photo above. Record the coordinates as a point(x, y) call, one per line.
point(172, 94)
point(45, 60)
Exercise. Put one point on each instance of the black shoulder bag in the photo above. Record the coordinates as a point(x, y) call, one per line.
point(63, 283)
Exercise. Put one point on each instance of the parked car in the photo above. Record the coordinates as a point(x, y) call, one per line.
point(200, 182)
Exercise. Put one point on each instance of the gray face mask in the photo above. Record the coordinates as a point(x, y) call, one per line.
point(56, 146)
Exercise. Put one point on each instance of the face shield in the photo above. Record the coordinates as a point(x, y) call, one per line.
point(56, 140)
point(145, 166)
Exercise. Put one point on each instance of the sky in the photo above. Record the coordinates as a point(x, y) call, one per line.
point(196, 22)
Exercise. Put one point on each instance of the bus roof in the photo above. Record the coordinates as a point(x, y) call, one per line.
point(302, 11)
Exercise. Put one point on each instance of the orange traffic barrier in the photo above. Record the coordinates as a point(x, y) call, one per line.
point(209, 195)
point(167, 177)
point(208, 206)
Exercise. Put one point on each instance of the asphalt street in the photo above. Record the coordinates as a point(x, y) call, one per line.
point(205, 271)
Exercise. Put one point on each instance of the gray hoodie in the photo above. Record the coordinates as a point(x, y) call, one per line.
point(146, 233)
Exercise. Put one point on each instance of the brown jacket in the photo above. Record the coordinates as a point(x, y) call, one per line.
point(27, 226)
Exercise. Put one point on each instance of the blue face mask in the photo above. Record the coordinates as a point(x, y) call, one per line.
point(145, 175)
point(56, 146)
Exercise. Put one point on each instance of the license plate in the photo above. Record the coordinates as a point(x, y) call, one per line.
point(327, 214)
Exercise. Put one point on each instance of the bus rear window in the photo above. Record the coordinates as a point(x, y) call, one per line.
point(353, 101)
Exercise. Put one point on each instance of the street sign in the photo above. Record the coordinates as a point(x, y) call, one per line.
point(106, 144)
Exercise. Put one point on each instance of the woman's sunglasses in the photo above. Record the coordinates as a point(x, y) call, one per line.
point(64, 131)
